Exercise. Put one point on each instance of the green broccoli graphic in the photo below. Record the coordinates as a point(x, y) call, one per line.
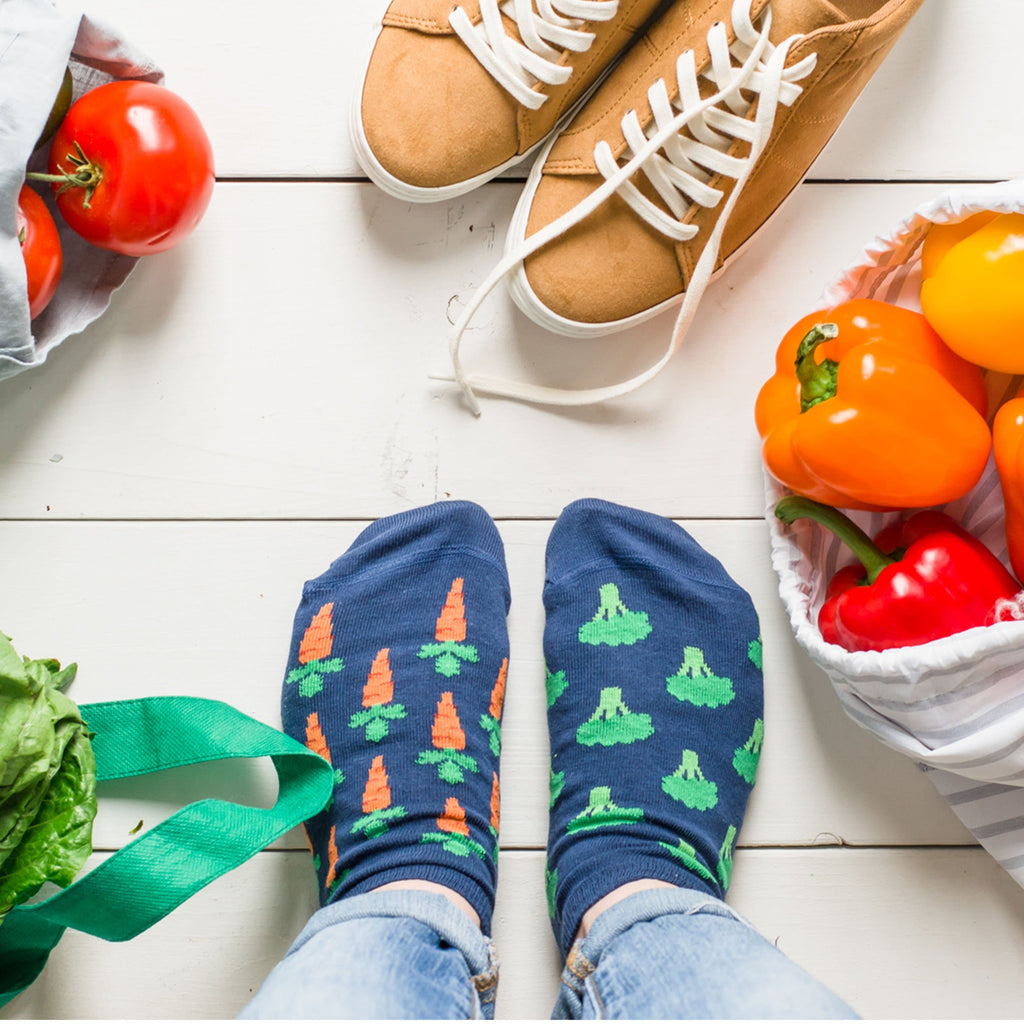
point(696, 683)
point(754, 650)
point(725, 858)
point(745, 758)
point(614, 623)
point(613, 722)
point(555, 784)
point(688, 855)
point(550, 883)
point(601, 810)
point(687, 784)
point(554, 684)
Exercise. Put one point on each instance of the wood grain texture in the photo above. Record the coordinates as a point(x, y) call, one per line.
point(274, 92)
point(275, 366)
point(251, 399)
point(922, 934)
point(206, 609)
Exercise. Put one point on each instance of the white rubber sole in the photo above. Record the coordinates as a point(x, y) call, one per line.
point(526, 298)
point(393, 186)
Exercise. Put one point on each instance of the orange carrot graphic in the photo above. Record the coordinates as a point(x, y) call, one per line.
point(314, 654)
point(377, 792)
point(498, 693)
point(332, 856)
point(380, 686)
point(450, 632)
point(318, 639)
point(315, 737)
point(451, 623)
point(449, 740)
point(491, 722)
point(495, 804)
point(453, 832)
point(447, 730)
point(454, 818)
point(377, 695)
point(377, 809)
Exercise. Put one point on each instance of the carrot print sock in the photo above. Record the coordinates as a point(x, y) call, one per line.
point(396, 675)
point(655, 708)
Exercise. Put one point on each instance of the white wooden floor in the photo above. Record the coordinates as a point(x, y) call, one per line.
point(253, 398)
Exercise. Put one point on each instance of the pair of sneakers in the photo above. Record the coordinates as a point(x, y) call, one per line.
point(666, 134)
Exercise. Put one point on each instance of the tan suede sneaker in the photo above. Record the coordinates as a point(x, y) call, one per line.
point(682, 153)
point(453, 95)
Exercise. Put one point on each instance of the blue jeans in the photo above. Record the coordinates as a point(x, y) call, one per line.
point(658, 954)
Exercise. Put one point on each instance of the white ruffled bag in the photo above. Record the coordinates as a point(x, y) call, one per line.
point(36, 44)
point(955, 705)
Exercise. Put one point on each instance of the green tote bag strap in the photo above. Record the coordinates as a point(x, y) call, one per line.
point(143, 882)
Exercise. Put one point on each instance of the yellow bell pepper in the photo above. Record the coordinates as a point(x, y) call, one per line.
point(973, 288)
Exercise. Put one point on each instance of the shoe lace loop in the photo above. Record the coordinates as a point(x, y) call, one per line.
point(679, 167)
point(680, 172)
point(547, 29)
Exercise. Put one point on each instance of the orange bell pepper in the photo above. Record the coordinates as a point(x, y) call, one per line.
point(971, 291)
point(1008, 448)
point(869, 409)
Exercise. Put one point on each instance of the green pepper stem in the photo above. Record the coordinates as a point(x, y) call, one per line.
point(85, 174)
point(870, 555)
point(817, 380)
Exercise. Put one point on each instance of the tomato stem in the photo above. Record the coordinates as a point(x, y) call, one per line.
point(85, 175)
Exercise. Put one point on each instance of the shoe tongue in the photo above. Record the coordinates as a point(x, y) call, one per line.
point(798, 17)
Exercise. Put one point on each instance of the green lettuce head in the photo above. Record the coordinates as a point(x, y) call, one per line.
point(47, 778)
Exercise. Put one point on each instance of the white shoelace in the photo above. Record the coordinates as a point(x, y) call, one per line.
point(517, 67)
point(679, 168)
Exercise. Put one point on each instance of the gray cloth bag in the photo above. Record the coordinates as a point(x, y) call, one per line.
point(37, 42)
point(955, 706)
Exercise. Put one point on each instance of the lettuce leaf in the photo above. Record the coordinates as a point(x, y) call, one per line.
point(47, 778)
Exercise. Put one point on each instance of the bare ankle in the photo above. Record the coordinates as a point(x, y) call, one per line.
point(442, 890)
point(616, 896)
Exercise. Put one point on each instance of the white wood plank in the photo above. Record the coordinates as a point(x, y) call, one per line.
point(275, 365)
point(274, 91)
point(206, 609)
point(923, 934)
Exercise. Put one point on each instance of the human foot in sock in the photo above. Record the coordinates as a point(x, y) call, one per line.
point(396, 675)
point(655, 708)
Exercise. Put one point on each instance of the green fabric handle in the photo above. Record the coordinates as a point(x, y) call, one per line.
point(143, 882)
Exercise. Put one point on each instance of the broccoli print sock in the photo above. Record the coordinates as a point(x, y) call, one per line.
point(654, 708)
point(396, 675)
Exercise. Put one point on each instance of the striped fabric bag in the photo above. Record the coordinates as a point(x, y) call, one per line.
point(955, 705)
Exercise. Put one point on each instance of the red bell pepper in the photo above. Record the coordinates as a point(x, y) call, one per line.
point(918, 580)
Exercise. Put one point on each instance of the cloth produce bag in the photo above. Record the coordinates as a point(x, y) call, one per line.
point(955, 705)
point(37, 43)
point(144, 881)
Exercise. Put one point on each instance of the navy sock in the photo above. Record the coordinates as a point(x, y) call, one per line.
point(655, 708)
point(396, 674)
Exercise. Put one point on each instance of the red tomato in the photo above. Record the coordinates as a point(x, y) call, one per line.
point(138, 168)
point(40, 246)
